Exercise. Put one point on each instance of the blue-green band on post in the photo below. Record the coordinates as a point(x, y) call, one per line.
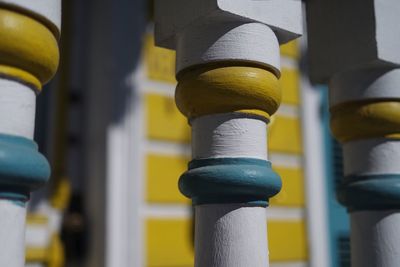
point(230, 180)
point(370, 192)
point(22, 168)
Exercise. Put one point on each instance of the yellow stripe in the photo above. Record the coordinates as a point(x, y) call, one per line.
point(291, 49)
point(56, 256)
point(290, 86)
point(213, 89)
point(33, 218)
point(287, 241)
point(170, 242)
point(164, 121)
point(162, 178)
point(360, 120)
point(62, 193)
point(36, 254)
point(29, 46)
point(53, 256)
point(284, 135)
point(159, 62)
point(292, 193)
point(20, 75)
point(264, 115)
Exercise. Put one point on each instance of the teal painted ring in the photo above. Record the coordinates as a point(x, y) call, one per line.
point(370, 192)
point(230, 180)
point(22, 168)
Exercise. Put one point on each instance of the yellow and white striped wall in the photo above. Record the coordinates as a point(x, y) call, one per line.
point(165, 235)
point(43, 244)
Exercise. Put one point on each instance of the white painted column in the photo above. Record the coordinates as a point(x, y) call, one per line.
point(370, 163)
point(29, 58)
point(228, 89)
point(17, 117)
point(314, 162)
point(229, 135)
point(375, 233)
point(231, 235)
point(12, 233)
point(375, 238)
point(17, 109)
point(358, 56)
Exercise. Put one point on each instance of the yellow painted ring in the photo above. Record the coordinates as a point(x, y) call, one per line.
point(213, 89)
point(28, 49)
point(360, 120)
point(20, 75)
point(56, 255)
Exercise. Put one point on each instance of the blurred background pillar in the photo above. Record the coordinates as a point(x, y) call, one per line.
point(29, 58)
point(228, 66)
point(354, 48)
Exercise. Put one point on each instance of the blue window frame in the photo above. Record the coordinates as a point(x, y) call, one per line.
point(338, 218)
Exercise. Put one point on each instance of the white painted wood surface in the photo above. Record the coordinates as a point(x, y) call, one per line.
point(216, 42)
point(12, 234)
point(37, 235)
point(314, 170)
point(230, 235)
point(283, 15)
point(173, 16)
point(17, 109)
point(125, 202)
point(229, 135)
point(365, 84)
point(374, 44)
point(371, 156)
point(375, 238)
